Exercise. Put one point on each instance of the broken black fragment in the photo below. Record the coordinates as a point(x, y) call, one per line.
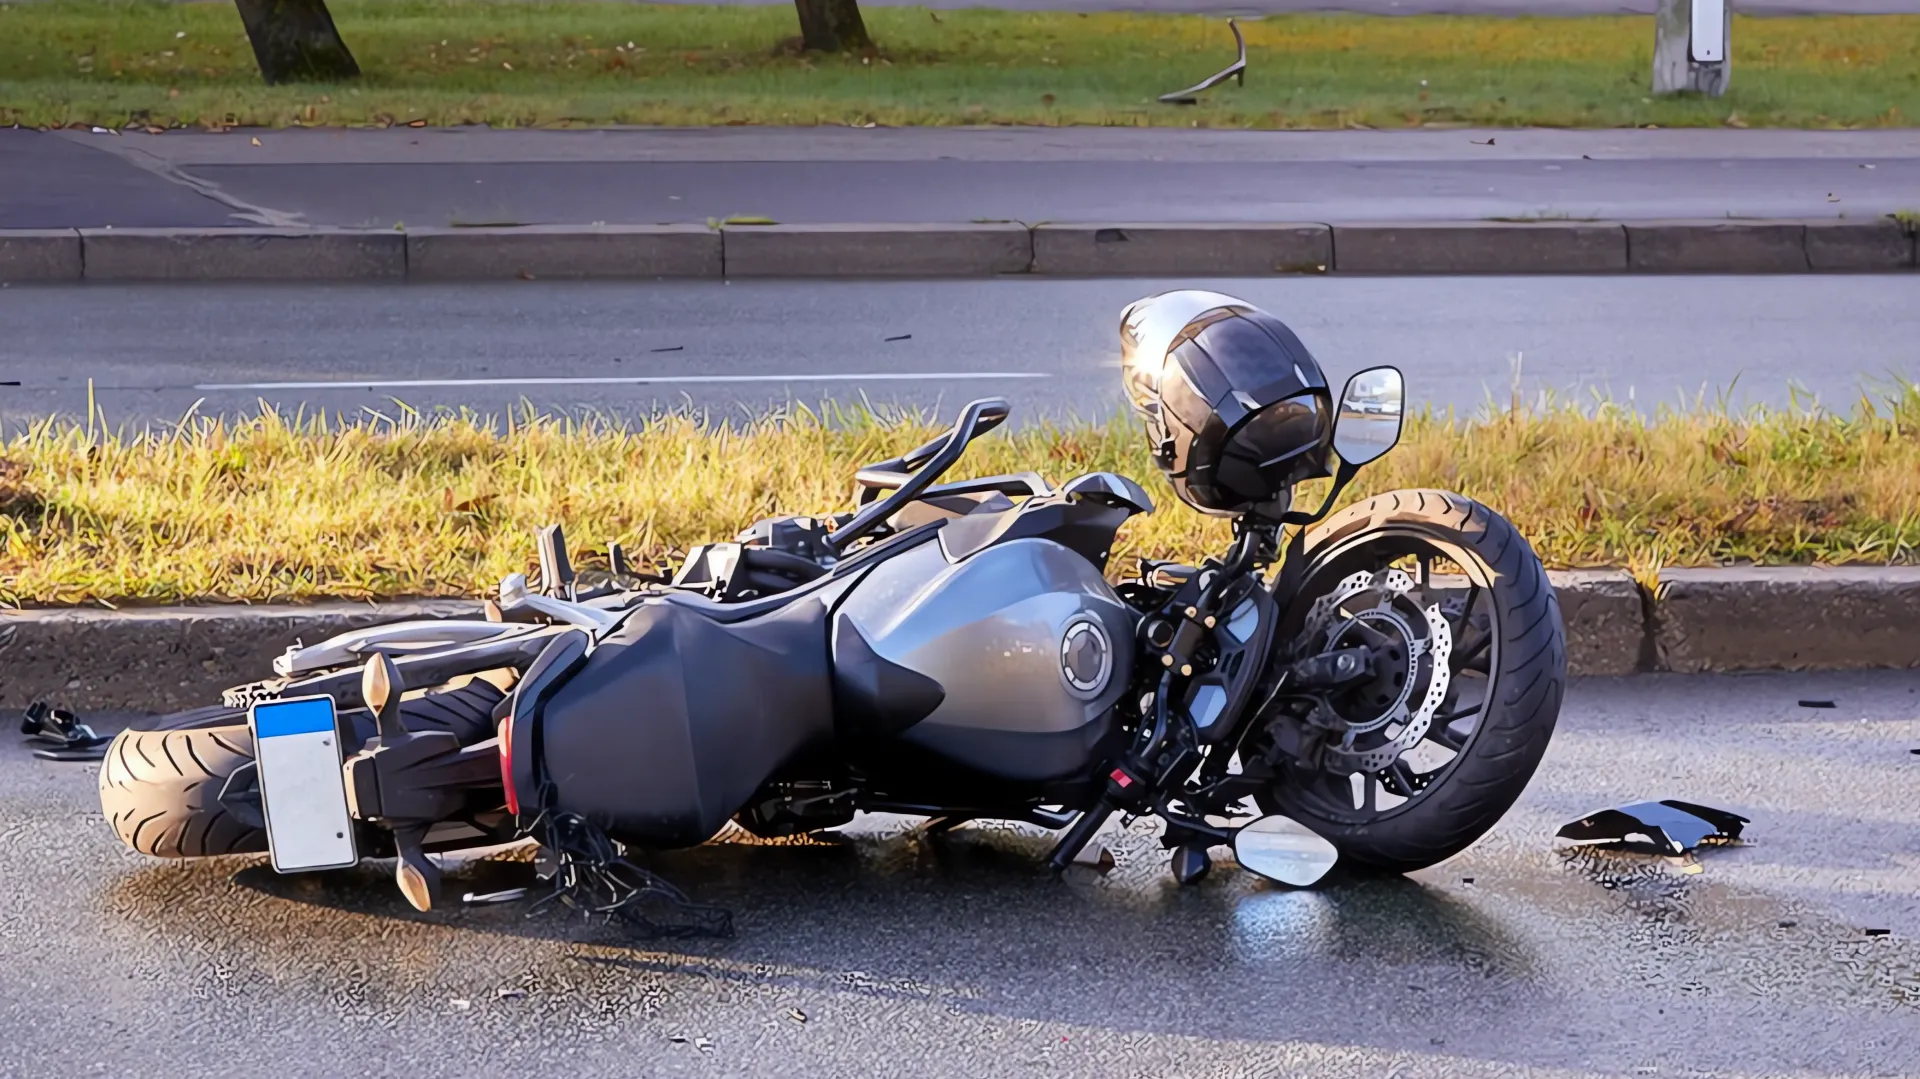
point(1666, 827)
point(60, 734)
point(1816, 704)
point(901, 337)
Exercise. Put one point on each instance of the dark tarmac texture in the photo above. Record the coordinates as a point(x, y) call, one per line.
point(888, 954)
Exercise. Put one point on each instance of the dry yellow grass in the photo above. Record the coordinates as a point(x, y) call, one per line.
point(280, 509)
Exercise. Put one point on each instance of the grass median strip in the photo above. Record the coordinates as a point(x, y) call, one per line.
point(278, 508)
point(115, 63)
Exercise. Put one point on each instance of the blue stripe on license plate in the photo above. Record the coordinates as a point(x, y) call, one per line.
point(275, 719)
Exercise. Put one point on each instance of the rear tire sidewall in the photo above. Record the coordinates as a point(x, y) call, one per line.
point(1526, 676)
point(161, 779)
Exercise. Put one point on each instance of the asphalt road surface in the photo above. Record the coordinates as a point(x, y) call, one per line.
point(373, 178)
point(1050, 345)
point(895, 956)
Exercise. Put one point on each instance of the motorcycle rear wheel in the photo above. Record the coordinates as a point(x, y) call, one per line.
point(1508, 672)
point(161, 780)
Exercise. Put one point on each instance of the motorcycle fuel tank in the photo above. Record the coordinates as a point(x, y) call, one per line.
point(1008, 661)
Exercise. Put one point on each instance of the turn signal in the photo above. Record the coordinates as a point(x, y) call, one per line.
point(506, 765)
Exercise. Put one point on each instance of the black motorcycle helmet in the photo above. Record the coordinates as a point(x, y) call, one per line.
point(1237, 409)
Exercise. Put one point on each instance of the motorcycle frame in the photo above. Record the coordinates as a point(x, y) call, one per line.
point(1086, 803)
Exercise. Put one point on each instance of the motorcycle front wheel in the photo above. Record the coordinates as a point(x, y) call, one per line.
point(1474, 715)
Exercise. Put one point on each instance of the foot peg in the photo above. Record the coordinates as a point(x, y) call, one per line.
point(418, 878)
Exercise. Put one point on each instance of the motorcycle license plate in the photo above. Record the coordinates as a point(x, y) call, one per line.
point(303, 787)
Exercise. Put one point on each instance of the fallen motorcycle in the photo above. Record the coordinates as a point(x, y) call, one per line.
point(1375, 686)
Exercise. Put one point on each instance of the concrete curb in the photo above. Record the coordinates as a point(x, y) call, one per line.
point(959, 250)
point(248, 254)
point(1787, 618)
point(1481, 247)
point(40, 255)
point(976, 250)
point(167, 659)
point(537, 251)
point(1138, 249)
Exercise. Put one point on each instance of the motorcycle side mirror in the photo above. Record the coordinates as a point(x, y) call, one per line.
point(1282, 849)
point(1368, 423)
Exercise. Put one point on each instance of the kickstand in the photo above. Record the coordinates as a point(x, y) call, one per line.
point(60, 735)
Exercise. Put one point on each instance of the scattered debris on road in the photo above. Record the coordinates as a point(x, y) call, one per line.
point(1666, 827)
point(901, 337)
point(61, 735)
point(1816, 704)
point(669, 348)
point(1236, 70)
point(505, 993)
point(796, 1015)
point(507, 896)
point(1878, 932)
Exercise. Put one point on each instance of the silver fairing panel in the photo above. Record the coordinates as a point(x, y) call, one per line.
point(1029, 687)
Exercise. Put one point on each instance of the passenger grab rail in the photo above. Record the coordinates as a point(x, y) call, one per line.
point(929, 462)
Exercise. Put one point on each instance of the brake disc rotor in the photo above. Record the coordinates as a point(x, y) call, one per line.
point(1428, 644)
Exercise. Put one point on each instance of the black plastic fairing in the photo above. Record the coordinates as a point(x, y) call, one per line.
point(560, 658)
point(675, 720)
point(1085, 526)
point(874, 696)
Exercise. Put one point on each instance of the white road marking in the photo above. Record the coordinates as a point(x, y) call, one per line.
point(630, 380)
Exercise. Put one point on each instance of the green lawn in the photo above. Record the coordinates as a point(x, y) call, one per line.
point(473, 61)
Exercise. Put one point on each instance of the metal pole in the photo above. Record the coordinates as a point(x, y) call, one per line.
point(1692, 46)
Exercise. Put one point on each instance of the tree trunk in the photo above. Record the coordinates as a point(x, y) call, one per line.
point(295, 41)
point(1678, 66)
point(832, 26)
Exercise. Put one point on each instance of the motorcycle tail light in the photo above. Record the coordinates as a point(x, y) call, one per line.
point(506, 765)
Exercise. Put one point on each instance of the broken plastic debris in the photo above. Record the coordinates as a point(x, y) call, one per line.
point(1878, 932)
point(61, 735)
point(1666, 827)
point(1816, 704)
point(507, 896)
point(796, 1015)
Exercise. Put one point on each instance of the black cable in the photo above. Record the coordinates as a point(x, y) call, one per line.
point(595, 878)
